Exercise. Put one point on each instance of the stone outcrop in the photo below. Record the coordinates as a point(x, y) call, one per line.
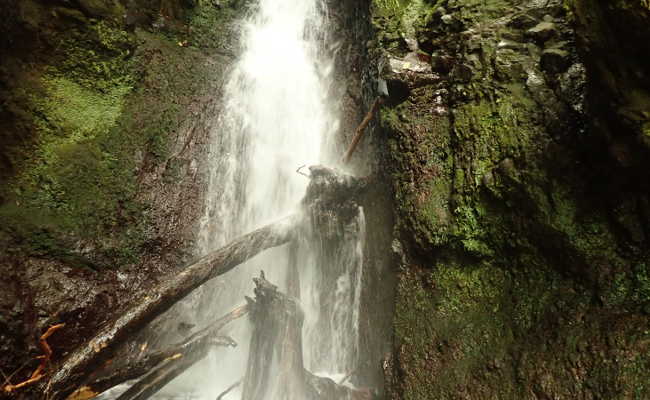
point(522, 215)
point(106, 107)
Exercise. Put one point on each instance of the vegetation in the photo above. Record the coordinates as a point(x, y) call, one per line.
point(98, 106)
point(527, 257)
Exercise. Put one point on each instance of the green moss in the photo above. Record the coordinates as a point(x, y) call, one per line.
point(390, 7)
point(208, 24)
point(76, 112)
point(521, 266)
point(646, 129)
point(108, 102)
point(97, 56)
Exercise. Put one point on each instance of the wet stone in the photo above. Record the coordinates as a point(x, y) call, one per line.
point(509, 65)
point(555, 61)
point(542, 31)
point(454, 24)
point(508, 44)
point(522, 21)
point(399, 66)
point(442, 63)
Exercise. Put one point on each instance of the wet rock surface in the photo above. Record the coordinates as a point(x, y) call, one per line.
point(517, 279)
point(105, 120)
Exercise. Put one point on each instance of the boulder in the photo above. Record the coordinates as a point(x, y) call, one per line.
point(542, 32)
point(102, 8)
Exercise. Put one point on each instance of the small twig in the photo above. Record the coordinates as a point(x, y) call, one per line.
point(8, 378)
point(359, 132)
point(38, 373)
point(228, 390)
point(5, 376)
point(302, 173)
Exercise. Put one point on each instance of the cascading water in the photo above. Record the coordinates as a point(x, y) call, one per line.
point(276, 119)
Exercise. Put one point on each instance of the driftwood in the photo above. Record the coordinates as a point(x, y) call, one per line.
point(173, 367)
point(228, 390)
point(328, 190)
point(198, 343)
point(80, 364)
point(358, 134)
point(275, 366)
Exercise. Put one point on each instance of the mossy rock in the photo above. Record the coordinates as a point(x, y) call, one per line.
point(102, 8)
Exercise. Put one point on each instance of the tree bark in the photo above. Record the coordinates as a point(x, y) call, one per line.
point(78, 366)
point(328, 190)
point(358, 134)
point(199, 342)
point(275, 365)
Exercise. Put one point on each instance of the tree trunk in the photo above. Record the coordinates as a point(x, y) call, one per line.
point(275, 365)
point(78, 366)
point(330, 194)
point(196, 344)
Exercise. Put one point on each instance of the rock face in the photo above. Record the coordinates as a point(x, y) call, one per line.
point(519, 168)
point(106, 107)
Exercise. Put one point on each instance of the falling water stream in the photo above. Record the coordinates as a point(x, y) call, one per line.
point(277, 117)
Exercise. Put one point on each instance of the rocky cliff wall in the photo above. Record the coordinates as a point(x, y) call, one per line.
point(105, 112)
point(518, 155)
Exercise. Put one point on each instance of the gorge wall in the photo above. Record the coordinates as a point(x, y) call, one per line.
point(105, 114)
point(518, 150)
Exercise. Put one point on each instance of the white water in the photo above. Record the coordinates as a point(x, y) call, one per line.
point(277, 118)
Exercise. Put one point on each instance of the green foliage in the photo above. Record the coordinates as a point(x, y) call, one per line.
point(390, 7)
point(207, 24)
point(97, 56)
point(471, 232)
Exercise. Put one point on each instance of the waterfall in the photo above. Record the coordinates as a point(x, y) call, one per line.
point(277, 117)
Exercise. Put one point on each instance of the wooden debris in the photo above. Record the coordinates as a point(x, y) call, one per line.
point(45, 358)
point(81, 363)
point(199, 343)
point(358, 134)
point(228, 390)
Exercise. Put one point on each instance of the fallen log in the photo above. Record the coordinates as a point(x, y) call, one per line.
point(89, 357)
point(276, 341)
point(228, 390)
point(199, 342)
point(275, 365)
point(173, 367)
point(328, 188)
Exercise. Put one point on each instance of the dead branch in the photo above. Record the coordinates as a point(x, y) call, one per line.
point(299, 170)
point(45, 358)
point(228, 390)
point(173, 367)
point(144, 365)
point(80, 364)
point(275, 365)
point(358, 134)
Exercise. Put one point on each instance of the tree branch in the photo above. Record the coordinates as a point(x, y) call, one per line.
point(79, 365)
